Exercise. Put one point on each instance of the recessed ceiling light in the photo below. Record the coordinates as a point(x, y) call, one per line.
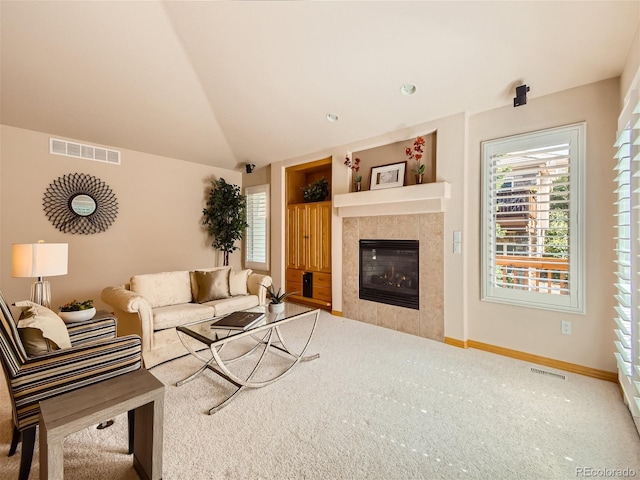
point(408, 89)
point(332, 117)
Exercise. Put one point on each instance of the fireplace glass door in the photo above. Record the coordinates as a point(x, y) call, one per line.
point(389, 272)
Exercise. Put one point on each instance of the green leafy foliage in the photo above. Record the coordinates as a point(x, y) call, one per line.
point(75, 306)
point(225, 216)
point(276, 296)
point(316, 191)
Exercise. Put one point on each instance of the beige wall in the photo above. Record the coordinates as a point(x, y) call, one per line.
point(538, 331)
point(631, 69)
point(259, 176)
point(158, 227)
point(528, 330)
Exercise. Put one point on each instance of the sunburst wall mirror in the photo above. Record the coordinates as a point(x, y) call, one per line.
point(80, 203)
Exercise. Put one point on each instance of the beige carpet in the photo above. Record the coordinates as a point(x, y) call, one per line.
point(377, 404)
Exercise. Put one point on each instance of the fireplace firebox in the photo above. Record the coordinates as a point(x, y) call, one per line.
point(389, 272)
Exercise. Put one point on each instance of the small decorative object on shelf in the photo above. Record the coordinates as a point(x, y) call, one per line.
point(316, 191)
point(276, 299)
point(75, 311)
point(354, 166)
point(388, 176)
point(416, 154)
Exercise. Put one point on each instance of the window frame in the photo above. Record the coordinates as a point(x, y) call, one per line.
point(254, 190)
point(574, 302)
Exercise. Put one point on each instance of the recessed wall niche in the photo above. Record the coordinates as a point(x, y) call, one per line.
point(395, 153)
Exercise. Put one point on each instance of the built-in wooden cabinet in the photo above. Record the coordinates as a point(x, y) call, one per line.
point(321, 286)
point(308, 237)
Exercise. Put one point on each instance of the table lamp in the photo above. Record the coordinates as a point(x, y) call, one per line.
point(39, 260)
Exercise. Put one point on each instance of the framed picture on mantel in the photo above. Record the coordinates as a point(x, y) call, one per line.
point(388, 176)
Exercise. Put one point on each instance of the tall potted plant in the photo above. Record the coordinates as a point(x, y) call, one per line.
point(225, 216)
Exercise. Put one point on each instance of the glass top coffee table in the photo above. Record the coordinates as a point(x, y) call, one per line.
point(266, 337)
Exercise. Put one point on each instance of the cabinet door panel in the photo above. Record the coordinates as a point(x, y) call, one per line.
point(303, 236)
point(322, 280)
point(324, 238)
point(294, 288)
point(293, 236)
point(322, 293)
point(294, 275)
point(308, 237)
point(315, 238)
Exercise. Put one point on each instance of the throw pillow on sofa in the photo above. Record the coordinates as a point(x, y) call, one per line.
point(41, 329)
point(212, 285)
point(195, 289)
point(238, 282)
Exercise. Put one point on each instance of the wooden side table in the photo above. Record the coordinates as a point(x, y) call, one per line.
point(66, 414)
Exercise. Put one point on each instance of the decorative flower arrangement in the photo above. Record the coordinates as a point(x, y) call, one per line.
point(416, 154)
point(355, 166)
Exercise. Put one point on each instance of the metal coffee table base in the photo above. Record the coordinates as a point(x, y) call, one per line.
point(267, 340)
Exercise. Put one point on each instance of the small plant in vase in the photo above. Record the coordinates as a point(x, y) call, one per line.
point(316, 191)
point(75, 311)
point(276, 298)
point(416, 154)
point(354, 166)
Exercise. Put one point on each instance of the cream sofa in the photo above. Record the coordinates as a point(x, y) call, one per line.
point(153, 305)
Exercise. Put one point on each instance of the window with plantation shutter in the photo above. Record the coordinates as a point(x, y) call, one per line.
point(623, 251)
point(257, 234)
point(532, 234)
point(627, 241)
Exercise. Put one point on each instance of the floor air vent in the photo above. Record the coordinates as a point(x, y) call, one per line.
point(547, 373)
point(79, 150)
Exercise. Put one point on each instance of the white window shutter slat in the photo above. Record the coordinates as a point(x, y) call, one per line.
point(627, 249)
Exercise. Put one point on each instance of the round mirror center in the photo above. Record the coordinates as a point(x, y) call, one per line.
point(83, 205)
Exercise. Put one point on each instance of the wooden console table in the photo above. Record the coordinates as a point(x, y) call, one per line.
point(137, 391)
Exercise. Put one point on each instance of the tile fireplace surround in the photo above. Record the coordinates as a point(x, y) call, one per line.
point(428, 229)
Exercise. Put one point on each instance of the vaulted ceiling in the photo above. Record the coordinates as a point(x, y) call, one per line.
point(225, 83)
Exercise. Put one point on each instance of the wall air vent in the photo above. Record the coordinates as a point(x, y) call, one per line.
point(79, 150)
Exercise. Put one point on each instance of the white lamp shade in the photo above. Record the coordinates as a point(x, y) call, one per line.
point(39, 259)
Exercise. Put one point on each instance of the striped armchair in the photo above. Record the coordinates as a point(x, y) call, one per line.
point(96, 354)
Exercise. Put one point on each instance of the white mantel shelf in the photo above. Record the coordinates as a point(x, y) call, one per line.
point(425, 198)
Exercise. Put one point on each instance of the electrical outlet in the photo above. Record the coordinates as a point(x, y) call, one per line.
point(566, 327)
